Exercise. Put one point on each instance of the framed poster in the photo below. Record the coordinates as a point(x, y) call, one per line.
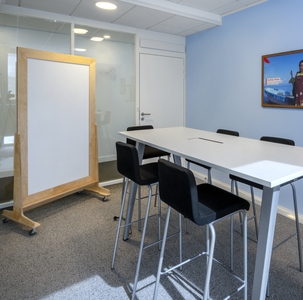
point(282, 79)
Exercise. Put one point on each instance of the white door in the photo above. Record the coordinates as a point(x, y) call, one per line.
point(161, 90)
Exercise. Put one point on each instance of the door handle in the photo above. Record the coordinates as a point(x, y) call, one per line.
point(143, 114)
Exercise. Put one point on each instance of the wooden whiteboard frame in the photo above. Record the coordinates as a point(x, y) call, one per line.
point(46, 61)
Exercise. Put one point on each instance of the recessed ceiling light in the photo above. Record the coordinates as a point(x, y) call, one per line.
point(80, 30)
point(96, 39)
point(107, 36)
point(80, 49)
point(106, 5)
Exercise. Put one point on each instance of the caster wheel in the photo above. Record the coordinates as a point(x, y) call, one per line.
point(5, 220)
point(104, 199)
point(32, 231)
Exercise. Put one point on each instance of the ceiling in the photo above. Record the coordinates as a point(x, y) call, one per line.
point(177, 17)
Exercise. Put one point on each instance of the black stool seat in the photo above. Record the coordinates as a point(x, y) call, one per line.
point(203, 203)
point(211, 207)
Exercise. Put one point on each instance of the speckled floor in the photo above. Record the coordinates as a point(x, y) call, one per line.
point(70, 257)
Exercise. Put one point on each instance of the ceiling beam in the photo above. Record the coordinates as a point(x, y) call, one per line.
point(179, 10)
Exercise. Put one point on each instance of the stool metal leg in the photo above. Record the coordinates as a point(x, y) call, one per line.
point(125, 184)
point(139, 207)
point(211, 248)
point(233, 184)
point(162, 254)
point(180, 240)
point(159, 217)
point(142, 243)
point(245, 252)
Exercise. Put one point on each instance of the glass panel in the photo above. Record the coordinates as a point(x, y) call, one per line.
point(115, 84)
point(115, 78)
point(24, 32)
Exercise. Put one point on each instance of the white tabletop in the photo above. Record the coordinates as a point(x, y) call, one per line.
point(269, 164)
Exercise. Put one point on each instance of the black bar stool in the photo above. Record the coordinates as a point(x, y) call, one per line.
point(203, 204)
point(142, 175)
point(149, 152)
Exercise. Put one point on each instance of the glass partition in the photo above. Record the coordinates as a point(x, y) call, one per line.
point(115, 83)
point(115, 80)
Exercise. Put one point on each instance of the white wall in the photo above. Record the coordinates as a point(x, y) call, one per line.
point(224, 76)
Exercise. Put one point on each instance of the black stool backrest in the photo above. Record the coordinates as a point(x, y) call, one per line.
point(177, 188)
point(128, 161)
point(228, 132)
point(131, 128)
point(278, 140)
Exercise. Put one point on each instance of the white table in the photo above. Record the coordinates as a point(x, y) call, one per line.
point(268, 164)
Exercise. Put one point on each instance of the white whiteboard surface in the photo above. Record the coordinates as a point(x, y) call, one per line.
point(58, 123)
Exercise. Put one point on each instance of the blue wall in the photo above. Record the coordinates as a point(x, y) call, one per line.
point(224, 77)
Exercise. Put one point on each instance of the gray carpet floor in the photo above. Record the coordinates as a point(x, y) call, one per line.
point(70, 256)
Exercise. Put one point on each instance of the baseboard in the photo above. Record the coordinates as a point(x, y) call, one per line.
point(7, 204)
point(111, 182)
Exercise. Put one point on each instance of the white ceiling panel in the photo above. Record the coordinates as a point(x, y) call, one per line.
point(203, 27)
point(167, 29)
point(88, 10)
point(141, 17)
point(228, 8)
point(178, 17)
point(65, 7)
point(182, 22)
point(205, 5)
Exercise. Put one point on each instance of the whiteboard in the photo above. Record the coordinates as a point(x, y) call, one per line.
point(56, 130)
point(58, 123)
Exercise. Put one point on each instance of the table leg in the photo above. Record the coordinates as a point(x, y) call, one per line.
point(177, 160)
point(268, 215)
point(132, 195)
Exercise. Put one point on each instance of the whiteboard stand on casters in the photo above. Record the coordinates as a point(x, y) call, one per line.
point(55, 115)
point(17, 213)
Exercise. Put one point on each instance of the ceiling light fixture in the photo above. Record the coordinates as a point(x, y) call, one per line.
point(107, 36)
point(96, 39)
point(80, 30)
point(106, 5)
point(80, 49)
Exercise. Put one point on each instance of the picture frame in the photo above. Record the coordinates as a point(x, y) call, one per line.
point(278, 79)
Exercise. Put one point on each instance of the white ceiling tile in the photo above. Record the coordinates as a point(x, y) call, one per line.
point(206, 5)
point(88, 10)
point(203, 27)
point(182, 22)
point(166, 29)
point(142, 17)
point(65, 7)
point(227, 9)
